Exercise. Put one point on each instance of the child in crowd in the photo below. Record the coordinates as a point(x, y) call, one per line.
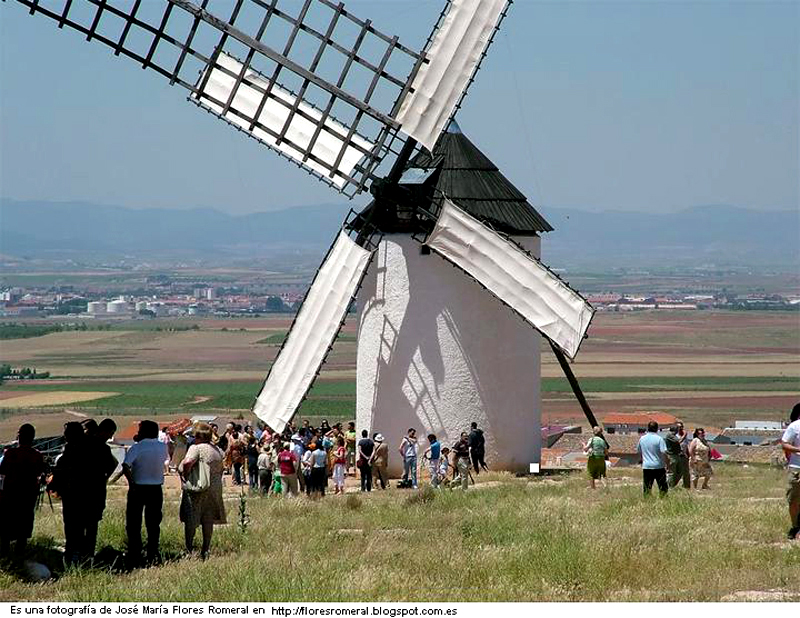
point(339, 466)
point(432, 454)
point(444, 467)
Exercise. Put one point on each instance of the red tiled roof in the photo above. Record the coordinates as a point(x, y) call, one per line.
point(638, 418)
point(127, 433)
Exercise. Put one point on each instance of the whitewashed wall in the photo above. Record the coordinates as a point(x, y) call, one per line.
point(436, 352)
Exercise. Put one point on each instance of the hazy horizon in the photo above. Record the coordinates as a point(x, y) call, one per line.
point(626, 106)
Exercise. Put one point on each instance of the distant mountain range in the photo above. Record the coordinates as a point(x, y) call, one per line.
point(707, 235)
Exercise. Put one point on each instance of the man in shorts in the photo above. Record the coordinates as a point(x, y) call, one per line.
point(791, 447)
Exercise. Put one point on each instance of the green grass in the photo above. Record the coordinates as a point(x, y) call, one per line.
point(531, 540)
point(333, 398)
point(279, 338)
point(336, 398)
point(676, 383)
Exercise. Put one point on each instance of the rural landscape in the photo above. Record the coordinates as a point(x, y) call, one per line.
point(707, 367)
point(558, 236)
point(542, 538)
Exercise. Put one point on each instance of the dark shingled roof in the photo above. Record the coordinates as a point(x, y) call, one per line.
point(473, 182)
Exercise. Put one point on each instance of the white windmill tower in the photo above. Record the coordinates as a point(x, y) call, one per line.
point(324, 88)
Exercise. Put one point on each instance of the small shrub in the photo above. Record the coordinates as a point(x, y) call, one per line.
point(244, 517)
point(353, 503)
point(422, 496)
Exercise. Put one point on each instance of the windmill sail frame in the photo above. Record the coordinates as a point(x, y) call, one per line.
point(355, 84)
point(269, 408)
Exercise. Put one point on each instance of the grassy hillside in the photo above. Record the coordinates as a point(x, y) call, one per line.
point(506, 539)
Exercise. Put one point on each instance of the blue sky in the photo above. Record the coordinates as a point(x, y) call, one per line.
point(649, 106)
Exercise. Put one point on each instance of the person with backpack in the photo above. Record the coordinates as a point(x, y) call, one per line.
point(477, 448)
point(597, 449)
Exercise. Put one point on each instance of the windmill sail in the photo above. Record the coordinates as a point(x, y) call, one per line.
point(332, 149)
point(308, 79)
point(454, 55)
point(520, 281)
point(312, 333)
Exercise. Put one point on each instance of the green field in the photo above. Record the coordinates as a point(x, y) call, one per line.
point(506, 539)
point(337, 398)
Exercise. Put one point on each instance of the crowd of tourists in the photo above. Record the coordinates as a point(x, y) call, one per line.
point(310, 460)
point(304, 459)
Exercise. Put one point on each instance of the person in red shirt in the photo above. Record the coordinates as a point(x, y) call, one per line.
point(21, 470)
point(287, 461)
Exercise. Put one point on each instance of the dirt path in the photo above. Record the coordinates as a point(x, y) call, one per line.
point(198, 399)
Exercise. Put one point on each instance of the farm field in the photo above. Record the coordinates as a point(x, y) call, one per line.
point(706, 367)
point(529, 539)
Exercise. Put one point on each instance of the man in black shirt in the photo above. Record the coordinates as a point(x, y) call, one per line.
point(365, 449)
point(477, 446)
point(461, 455)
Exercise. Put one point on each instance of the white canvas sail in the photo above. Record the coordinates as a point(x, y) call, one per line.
point(332, 139)
point(312, 333)
point(453, 56)
point(528, 287)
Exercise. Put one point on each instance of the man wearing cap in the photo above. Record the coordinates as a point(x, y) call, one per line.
point(380, 460)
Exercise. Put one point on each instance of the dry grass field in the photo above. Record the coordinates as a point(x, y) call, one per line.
point(505, 539)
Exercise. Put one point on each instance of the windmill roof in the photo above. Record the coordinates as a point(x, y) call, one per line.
point(472, 181)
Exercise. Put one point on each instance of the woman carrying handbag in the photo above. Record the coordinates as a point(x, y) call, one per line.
point(201, 501)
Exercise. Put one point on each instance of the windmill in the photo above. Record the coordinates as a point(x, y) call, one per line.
point(361, 111)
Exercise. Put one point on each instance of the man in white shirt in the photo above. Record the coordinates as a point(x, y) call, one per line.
point(144, 469)
point(791, 447)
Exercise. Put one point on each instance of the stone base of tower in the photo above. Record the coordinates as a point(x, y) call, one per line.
point(436, 352)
